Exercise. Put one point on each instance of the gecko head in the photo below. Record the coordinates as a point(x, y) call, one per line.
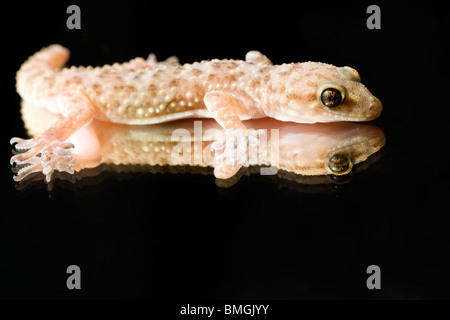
point(318, 92)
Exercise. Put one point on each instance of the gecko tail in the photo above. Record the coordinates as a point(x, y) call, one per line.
point(38, 65)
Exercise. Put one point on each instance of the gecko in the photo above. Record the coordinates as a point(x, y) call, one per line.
point(145, 92)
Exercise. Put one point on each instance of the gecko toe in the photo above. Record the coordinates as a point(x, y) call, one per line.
point(19, 159)
point(23, 144)
point(26, 170)
point(63, 149)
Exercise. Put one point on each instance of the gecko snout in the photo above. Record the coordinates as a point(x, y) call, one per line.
point(375, 108)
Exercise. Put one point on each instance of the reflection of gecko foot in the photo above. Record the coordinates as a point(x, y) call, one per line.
point(41, 158)
point(231, 151)
point(226, 171)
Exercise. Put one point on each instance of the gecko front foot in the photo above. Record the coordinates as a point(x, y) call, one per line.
point(233, 150)
point(25, 149)
point(39, 157)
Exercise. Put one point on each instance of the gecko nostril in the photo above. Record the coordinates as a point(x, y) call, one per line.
point(375, 108)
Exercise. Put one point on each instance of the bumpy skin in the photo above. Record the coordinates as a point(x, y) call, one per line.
point(143, 92)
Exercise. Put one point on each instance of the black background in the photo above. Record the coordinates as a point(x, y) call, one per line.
point(180, 236)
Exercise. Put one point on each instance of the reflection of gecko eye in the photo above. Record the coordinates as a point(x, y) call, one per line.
point(340, 164)
point(331, 97)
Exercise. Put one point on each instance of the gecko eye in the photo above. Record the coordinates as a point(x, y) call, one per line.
point(340, 164)
point(331, 97)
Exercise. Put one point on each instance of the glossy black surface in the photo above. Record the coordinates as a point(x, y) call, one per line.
point(179, 235)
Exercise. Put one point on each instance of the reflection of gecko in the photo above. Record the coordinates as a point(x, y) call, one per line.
point(305, 149)
point(144, 92)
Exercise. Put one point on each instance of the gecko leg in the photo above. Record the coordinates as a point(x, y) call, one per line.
point(49, 151)
point(231, 150)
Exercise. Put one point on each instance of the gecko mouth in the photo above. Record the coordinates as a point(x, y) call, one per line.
point(370, 113)
point(346, 116)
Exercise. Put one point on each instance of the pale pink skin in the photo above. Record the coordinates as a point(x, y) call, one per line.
point(143, 92)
